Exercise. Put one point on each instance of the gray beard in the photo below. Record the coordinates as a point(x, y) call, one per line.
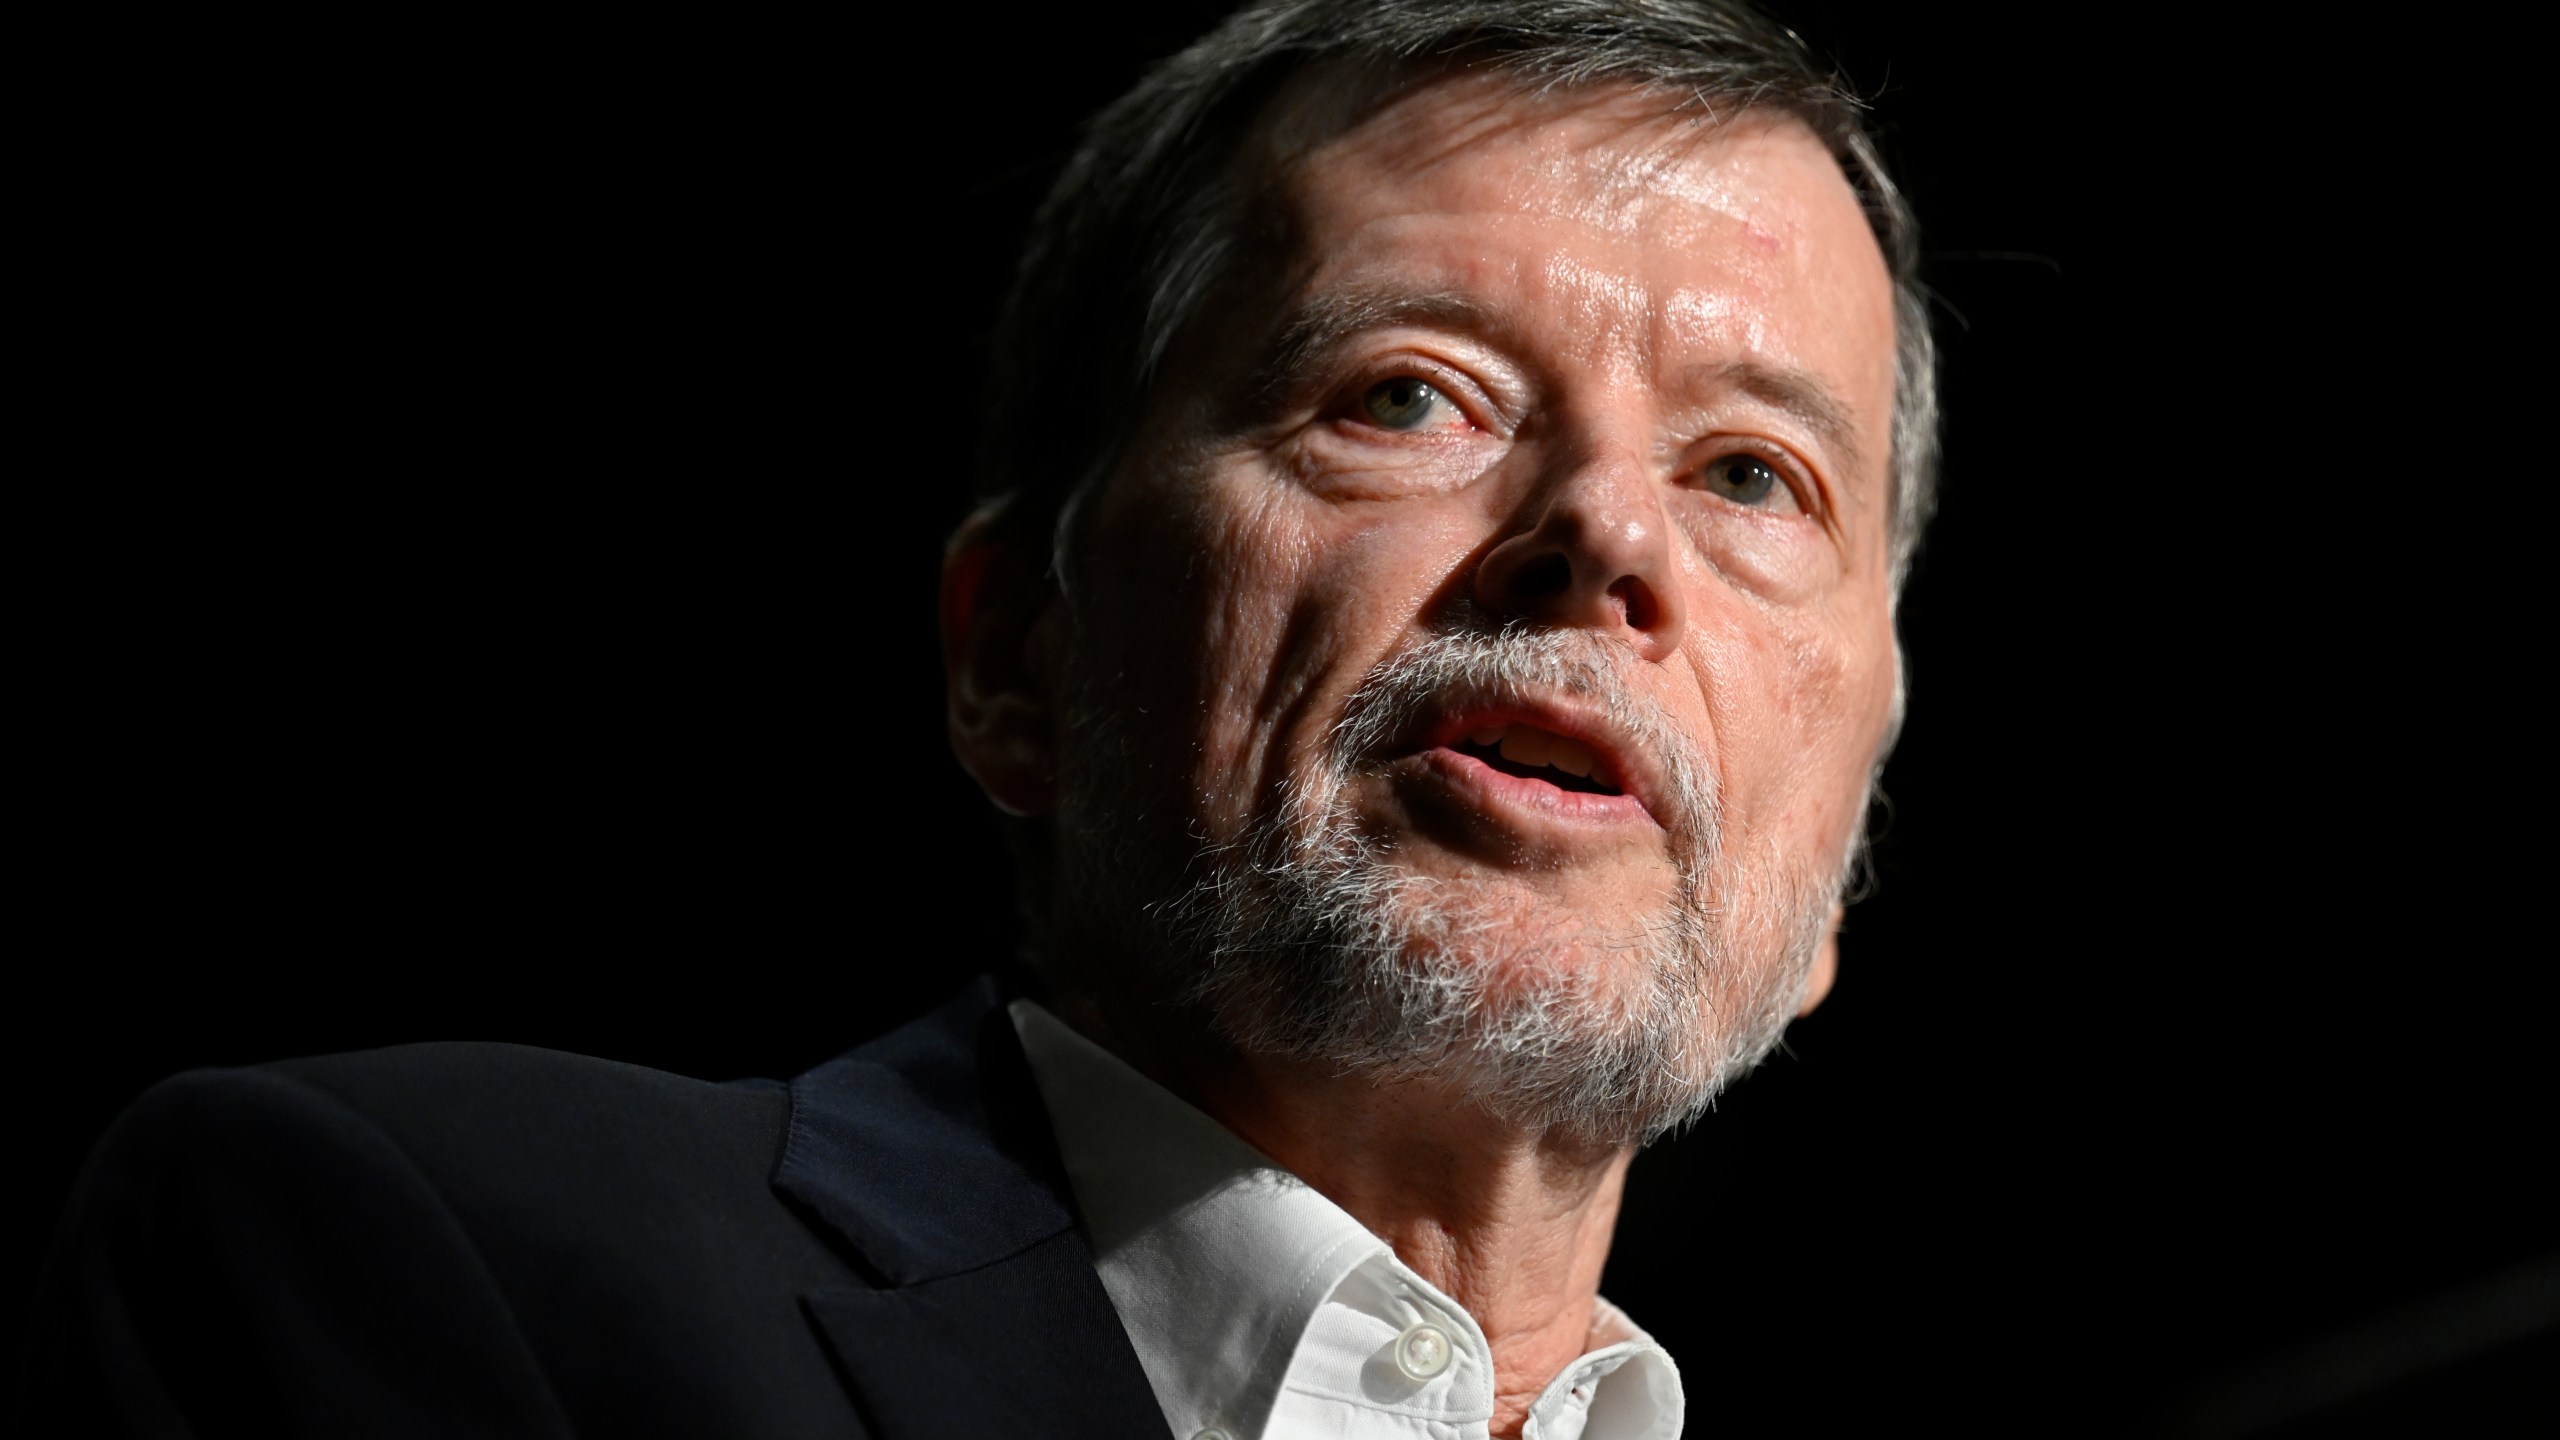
point(1304, 940)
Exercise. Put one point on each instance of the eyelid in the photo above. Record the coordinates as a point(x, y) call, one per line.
point(1474, 400)
point(1813, 496)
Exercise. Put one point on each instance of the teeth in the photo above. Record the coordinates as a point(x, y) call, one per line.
point(1525, 746)
point(1530, 746)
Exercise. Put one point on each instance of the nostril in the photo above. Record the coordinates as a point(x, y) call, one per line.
point(1637, 603)
point(1543, 578)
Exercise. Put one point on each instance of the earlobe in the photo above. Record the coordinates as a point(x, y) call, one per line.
point(997, 604)
point(1826, 963)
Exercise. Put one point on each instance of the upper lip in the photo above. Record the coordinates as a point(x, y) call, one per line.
point(1623, 762)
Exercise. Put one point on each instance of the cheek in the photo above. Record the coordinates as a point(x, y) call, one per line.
point(1783, 559)
point(1253, 660)
point(1799, 704)
point(1166, 615)
point(1262, 607)
point(1316, 594)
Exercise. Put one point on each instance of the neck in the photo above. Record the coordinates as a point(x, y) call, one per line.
point(1512, 1224)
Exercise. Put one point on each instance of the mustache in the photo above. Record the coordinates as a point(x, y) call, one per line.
point(1512, 665)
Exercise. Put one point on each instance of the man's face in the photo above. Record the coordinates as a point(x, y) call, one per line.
point(1493, 605)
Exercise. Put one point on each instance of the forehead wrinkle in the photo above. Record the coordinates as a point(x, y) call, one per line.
point(1421, 117)
point(1410, 119)
point(1616, 180)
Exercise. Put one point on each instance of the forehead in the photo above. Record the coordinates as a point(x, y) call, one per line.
point(1598, 151)
point(1628, 227)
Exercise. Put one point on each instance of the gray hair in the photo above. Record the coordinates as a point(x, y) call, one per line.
point(1148, 213)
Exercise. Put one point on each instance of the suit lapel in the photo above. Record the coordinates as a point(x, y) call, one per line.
point(1028, 1346)
point(927, 1154)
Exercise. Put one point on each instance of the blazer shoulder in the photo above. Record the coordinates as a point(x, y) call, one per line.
point(508, 1133)
point(222, 1268)
point(613, 1230)
point(485, 1095)
point(524, 1146)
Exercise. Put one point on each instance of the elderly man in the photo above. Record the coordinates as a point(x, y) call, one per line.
point(1432, 619)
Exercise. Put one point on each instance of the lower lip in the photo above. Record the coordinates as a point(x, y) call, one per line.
point(1482, 787)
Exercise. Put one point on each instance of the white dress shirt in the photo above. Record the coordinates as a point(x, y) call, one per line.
point(1259, 1308)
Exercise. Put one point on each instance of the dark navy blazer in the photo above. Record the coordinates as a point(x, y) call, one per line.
point(490, 1240)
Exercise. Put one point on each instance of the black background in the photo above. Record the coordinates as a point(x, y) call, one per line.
point(498, 480)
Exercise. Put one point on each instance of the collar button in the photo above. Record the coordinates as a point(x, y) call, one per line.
point(1423, 1351)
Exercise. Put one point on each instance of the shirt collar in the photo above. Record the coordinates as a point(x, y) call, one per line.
point(1215, 1256)
point(1219, 1262)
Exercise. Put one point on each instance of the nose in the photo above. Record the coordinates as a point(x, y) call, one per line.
point(1593, 548)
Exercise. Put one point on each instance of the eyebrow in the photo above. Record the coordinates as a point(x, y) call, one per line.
point(1793, 392)
point(1325, 321)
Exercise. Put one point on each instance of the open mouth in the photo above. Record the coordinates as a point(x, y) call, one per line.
point(1534, 754)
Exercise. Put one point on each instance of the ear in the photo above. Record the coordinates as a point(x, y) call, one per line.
point(1826, 963)
point(999, 624)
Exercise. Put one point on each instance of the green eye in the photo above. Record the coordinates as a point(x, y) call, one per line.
point(1403, 403)
point(1744, 480)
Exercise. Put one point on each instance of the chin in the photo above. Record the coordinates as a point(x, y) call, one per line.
point(1594, 1006)
point(1587, 1029)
